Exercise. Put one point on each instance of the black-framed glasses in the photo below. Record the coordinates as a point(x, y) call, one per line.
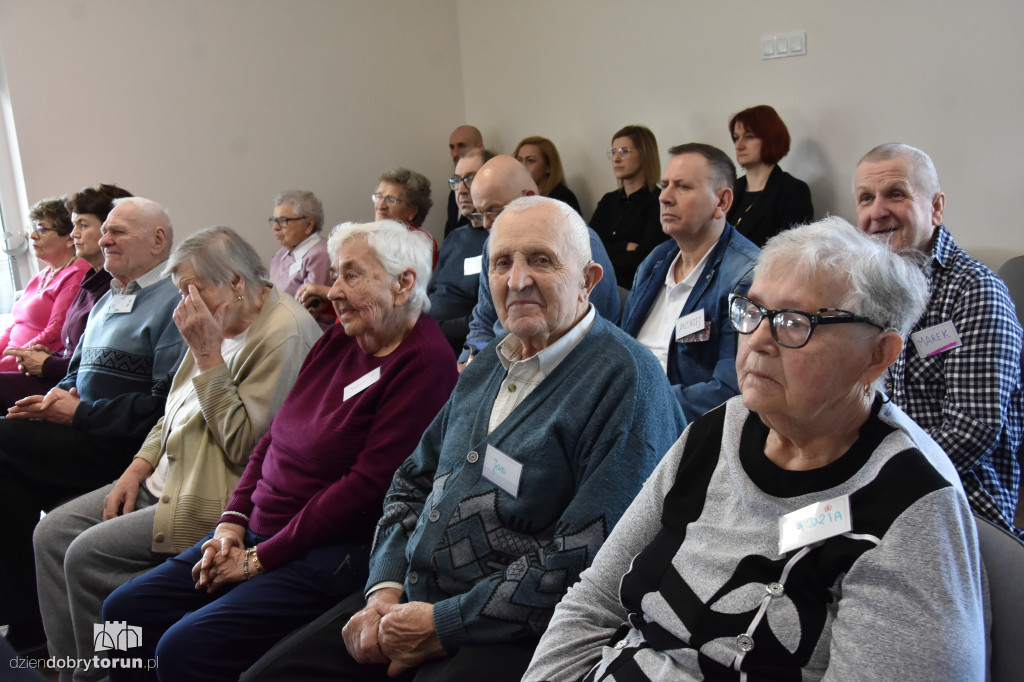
point(282, 221)
point(612, 152)
point(385, 198)
point(790, 328)
point(467, 180)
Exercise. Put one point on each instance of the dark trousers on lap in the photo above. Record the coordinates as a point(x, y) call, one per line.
point(317, 652)
point(43, 465)
point(198, 636)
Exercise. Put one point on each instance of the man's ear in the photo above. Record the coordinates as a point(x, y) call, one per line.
point(724, 202)
point(592, 274)
point(938, 206)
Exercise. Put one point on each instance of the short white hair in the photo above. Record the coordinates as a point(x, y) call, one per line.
point(571, 222)
point(397, 249)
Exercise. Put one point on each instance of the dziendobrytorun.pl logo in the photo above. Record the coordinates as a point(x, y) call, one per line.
point(107, 636)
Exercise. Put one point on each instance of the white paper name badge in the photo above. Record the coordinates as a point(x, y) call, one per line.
point(689, 324)
point(502, 470)
point(362, 383)
point(472, 266)
point(121, 303)
point(937, 339)
point(815, 522)
point(294, 268)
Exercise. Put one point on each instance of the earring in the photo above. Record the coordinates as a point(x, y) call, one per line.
point(867, 390)
point(240, 298)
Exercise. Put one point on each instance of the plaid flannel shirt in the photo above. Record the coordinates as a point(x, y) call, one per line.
point(969, 398)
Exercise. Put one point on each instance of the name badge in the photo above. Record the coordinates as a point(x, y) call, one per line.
point(689, 324)
point(937, 339)
point(122, 303)
point(815, 522)
point(502, 470)
point(294, 268)
point(472, 266)
point(362, 383)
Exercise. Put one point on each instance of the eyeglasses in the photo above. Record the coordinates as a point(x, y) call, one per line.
point(790, 328)
point(454, 181)
point(480, 217)
point(621, 151)
point(282, 221)
point(386, 198)
point(41, 229)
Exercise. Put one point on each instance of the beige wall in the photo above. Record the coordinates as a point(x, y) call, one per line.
point(213, 107)
point(942, 75)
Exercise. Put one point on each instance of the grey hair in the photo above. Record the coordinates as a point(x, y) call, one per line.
point(579, 235)
point(397, 249)
point(218, 255)
point(304, 203)
point(885, 287)
point(417, 189)
point(153, 215)
point(926, 178)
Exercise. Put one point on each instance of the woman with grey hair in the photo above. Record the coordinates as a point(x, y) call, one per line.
point(404, 195)
point(804, 528)
point(246, 341)
point(295, 537)
point(302, 259)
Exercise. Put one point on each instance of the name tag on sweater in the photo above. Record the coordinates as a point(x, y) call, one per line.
point(122, 303)
point(815, 522)
point(502, 470)
point(935, 340)
point(472, 266)
point(362, 383)
point(295, 268)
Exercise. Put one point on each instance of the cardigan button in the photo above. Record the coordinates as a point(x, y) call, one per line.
point(159, 537)
point(745, 642)
point(774, 589)
point(165, 499)
point(414, 578)
point(434, 516)
point(472, 457)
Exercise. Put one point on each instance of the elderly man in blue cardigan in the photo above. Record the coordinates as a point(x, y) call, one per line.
point(547, 438)
point(678, 306)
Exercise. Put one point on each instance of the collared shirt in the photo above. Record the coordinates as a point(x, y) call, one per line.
point(525, 375)
point(660, 326)
point(151, 277)
point(968, 398)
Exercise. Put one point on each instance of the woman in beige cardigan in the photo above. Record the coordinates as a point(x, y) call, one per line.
point(246, 343)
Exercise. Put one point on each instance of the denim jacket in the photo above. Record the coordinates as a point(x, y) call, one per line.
point(702, 373)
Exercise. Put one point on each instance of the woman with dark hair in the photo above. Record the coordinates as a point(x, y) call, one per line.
point(768, 200)
point(37, 368)
point(628, 219)
point(540, 156)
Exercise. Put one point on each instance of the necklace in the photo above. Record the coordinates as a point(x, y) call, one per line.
point(51, 273)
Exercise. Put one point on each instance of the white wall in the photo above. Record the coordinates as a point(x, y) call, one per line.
point(941, 75)
point(212, 108)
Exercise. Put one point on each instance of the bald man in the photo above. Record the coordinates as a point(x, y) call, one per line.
point(463, 139)
point(497, 183)
point(85, 431)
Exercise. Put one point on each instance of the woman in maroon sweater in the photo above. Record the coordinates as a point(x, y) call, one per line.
point(295, 536)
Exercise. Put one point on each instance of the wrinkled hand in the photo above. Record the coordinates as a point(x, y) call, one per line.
point(58, 406)
point(30, 360)
point(361, 631)
point(309, 291)
point(407, 636)
point(222, 558)
point(201, 329)
point(121, 500)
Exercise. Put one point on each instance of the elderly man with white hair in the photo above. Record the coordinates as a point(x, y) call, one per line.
point(548, 436)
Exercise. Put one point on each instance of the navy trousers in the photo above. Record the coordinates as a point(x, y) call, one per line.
point(192, 635)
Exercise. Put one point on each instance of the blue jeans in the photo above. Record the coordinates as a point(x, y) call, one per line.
point(193, 635)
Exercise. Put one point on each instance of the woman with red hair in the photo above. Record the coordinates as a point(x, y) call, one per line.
point(767, 199)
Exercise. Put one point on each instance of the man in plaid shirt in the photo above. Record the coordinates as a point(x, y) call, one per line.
point(959, 373)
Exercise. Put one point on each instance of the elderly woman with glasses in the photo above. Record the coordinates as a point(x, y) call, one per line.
point(628, 219)
point(294, 537)
point(297, 221)
point(806, 528)
point(39, 313)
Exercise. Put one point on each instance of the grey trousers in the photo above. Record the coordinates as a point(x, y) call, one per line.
point(80, 560)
